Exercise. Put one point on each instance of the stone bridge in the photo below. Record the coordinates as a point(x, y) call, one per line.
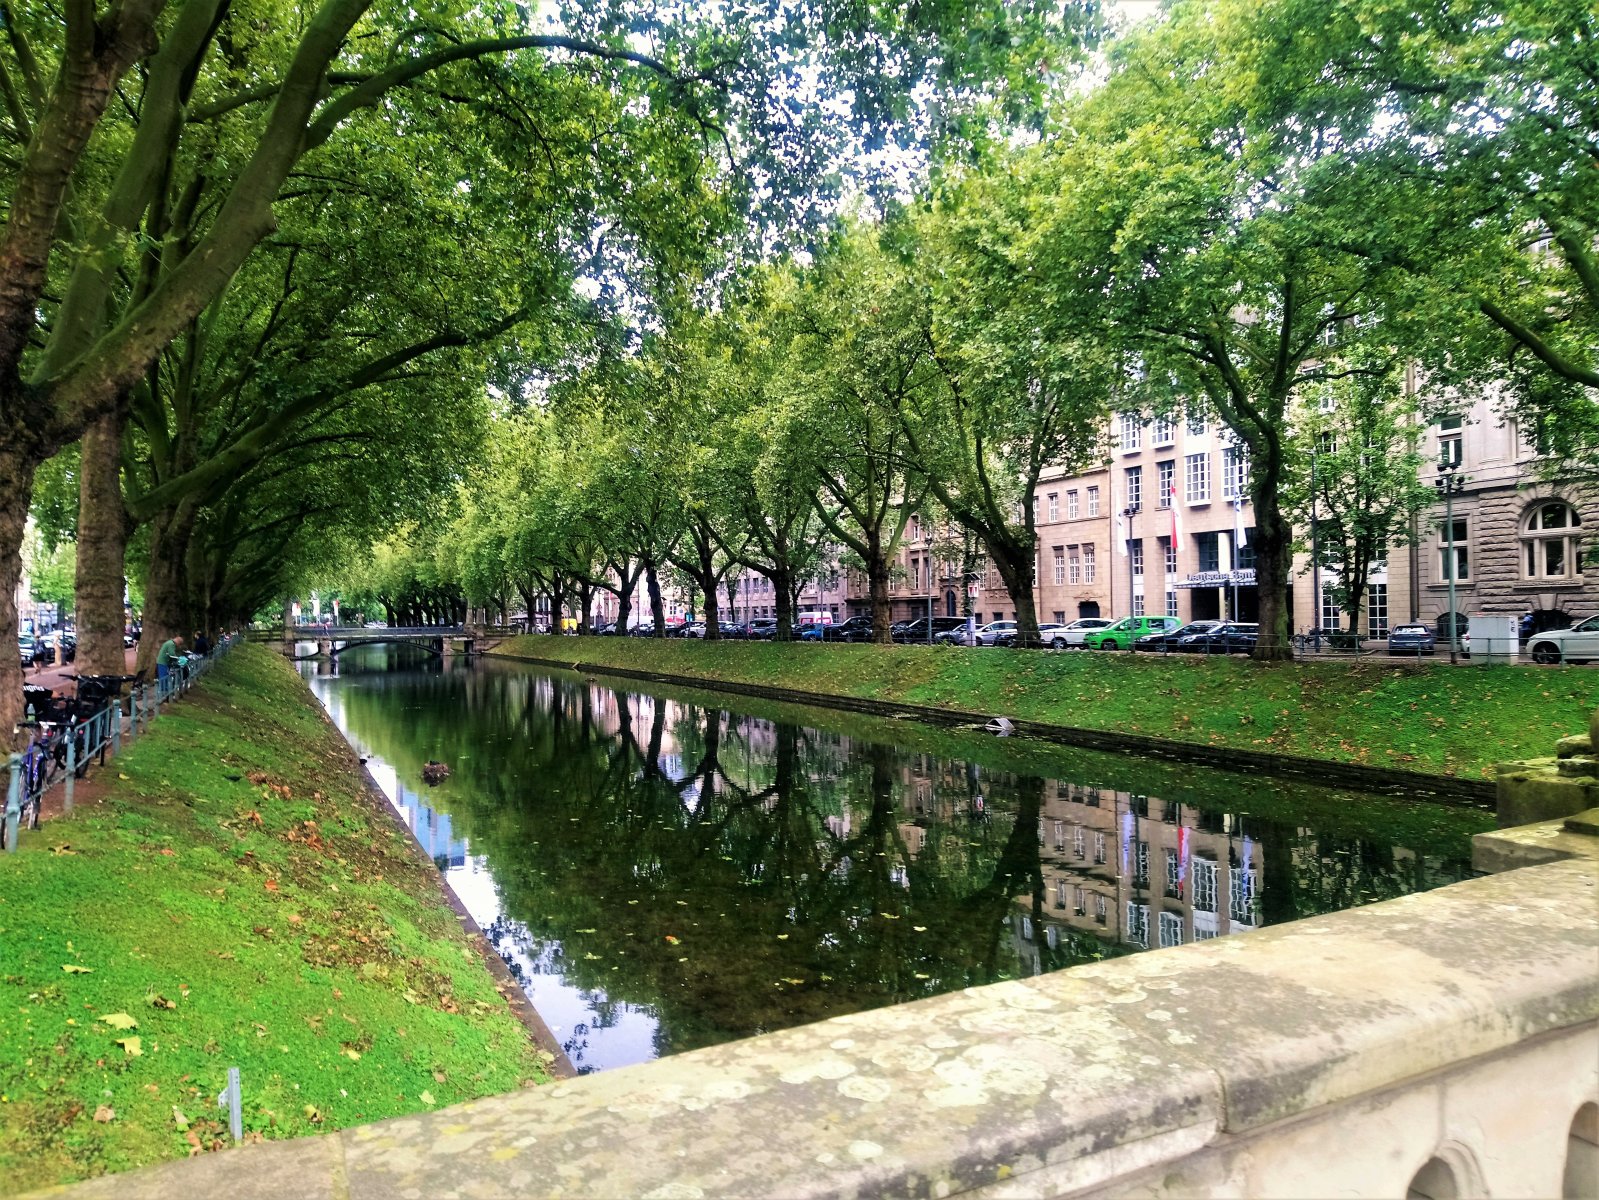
point(332, 640)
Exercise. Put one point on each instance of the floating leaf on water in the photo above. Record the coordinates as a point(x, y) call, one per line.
point(672, 940)
point(782, 937)
point(919, 928)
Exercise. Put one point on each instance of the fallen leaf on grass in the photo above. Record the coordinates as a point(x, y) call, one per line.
point(75, 969)
point(120, 1021)
point(353, 1055)
point(178, 1119)
point(105, 1113)
point(161, 1002)
point(169, 853)
point(272, 885)
point(427, 1098)
point(132, 1046)
point(63, 848)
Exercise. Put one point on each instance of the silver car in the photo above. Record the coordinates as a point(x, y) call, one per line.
point(1071, 635)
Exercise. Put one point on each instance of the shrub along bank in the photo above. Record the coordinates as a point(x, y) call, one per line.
point(1428, 718)
point(237, 899)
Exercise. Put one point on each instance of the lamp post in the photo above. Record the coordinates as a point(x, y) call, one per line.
point(1128, 514)
point(1450, 483)
point(1315, 553)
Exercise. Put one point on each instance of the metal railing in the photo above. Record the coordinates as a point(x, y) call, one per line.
point(59, 758)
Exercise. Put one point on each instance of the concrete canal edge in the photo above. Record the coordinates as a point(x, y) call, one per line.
point(1447, 789)
point(1443, 1043)
point(559, 1065)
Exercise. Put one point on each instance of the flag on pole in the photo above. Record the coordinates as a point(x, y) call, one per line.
point(1176, 518)
point(1240, 536)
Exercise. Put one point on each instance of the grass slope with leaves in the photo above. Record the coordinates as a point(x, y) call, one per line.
point(1431, 718)
point(237, 900)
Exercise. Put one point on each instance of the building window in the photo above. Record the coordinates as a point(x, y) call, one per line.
point(1058, 616)
point(1164, 432)
point(1060, 835)
point(1171, 602)
point(1450, 449)
point(1138, 604)
point(1246, 552)
point(1132, 431)
point(1169, 549)
point(1461, 549)
point(1060, 565)
point(1060, 893)
point(1100, 908)
point(1053, 508)
point(1077, 842)
point(1332, 617)
point(1088, 564)
point(1173, 873)
point(1141, 865)
point(1234, 472)
point(1074, 565)
point(1165, 483)
point(1171, 929)
point(1552, 541)
point(1377, 609)
point(1078, 897)
point(1209, 546)
point(1203, 873)
point(1135, 487)
point(1196, 478)
point(1241, 909)
point(1138, 924)
point(1099, 848)
point(1093, 501)
point(1197, 418)
point(916, 528)
point(1071, 504)
point(1137, 545)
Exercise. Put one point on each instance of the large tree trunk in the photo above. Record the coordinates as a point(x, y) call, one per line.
point(103, 529)
point(652, 585)
point(1274, 543)
point(707, 581)
point(16, 468)
point(585, 597)
point(877, 588)
point(1018, 569)
point(782, 585)
point(166, 584)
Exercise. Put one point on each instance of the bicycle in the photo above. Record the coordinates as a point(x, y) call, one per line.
point(42, 762)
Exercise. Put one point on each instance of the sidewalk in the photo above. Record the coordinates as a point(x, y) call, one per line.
point(55, 678)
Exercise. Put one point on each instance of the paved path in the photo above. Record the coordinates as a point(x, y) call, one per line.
point(55, 678)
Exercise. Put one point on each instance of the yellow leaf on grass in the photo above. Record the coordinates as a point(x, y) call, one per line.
point(427, 1098)
point(75, 969)
point(120, 1021)
point(353, 1055)
point(132, 1046)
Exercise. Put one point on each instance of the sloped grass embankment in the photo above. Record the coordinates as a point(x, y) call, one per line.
point(1429, 718)
point(238, 899)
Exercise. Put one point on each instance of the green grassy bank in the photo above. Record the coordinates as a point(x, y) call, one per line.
point(1433, 719)
point(237, 899)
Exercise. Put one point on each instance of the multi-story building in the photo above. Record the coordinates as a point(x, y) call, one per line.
point(1073, 519)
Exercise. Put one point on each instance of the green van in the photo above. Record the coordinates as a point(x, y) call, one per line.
point(1128, 630)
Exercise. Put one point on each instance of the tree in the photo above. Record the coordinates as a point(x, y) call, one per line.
point(854, 352)
point(1213, 235)
point(1365, 485)
point(138, 214)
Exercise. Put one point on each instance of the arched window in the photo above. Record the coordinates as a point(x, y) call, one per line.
point(1551, 541)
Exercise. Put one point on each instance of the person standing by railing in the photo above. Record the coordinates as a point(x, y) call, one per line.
point(171, 651)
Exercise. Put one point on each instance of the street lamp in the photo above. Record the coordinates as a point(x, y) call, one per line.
point(1450, 483)
point(1128, 514)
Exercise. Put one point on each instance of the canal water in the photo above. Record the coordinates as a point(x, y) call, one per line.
point(663, 869)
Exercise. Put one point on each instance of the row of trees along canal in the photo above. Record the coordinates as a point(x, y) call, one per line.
point(265, 260)
point(1268, 214)
point(264, 264)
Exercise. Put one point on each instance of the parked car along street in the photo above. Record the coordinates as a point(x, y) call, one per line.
point(922, 630)
point(1230, 637)
point(1050, 635)
point(1126, 631)
point(1174, 639)
point(1074, 632)
point(1580, 643)
point(1411, 639)
point(856, 629)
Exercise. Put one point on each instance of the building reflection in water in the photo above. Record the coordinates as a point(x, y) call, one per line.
point(663, 874)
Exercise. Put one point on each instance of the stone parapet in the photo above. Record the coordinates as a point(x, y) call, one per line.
point(1359, 1053)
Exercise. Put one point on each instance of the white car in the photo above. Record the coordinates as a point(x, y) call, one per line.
point(1580, 643)
point(1071, 636)
point(988, 633)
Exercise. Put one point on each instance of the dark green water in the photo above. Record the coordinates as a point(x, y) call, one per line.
point(665, 870)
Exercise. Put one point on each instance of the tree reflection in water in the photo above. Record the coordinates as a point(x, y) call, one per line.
point(732, 874)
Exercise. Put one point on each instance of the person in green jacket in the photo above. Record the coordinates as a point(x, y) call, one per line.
point(170, 651)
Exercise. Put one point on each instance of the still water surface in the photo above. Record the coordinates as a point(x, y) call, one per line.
point(665, 870)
